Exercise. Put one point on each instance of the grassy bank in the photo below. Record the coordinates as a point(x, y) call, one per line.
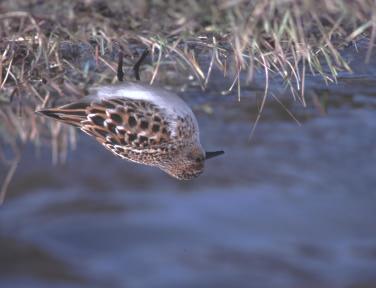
point(51, 51)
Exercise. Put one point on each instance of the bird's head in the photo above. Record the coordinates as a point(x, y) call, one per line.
point(188, 162)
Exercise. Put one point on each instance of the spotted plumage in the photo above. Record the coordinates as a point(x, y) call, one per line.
point(140, 123)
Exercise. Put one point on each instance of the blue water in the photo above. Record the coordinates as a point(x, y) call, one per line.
point(293, 207)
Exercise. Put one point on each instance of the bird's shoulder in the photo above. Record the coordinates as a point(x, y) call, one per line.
point(137, 124)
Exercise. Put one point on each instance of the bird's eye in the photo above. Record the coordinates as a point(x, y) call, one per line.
point(198, 159)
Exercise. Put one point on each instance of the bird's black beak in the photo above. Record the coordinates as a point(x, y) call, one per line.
point(209, 155)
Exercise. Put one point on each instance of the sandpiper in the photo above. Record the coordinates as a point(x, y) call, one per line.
point(140, 123)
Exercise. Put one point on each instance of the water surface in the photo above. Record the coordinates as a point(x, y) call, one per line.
point(293, 207)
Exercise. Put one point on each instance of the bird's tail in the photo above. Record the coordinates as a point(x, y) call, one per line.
point(71, 114)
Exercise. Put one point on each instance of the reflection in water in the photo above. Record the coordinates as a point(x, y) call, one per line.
point(295, 208)
point(29, 260)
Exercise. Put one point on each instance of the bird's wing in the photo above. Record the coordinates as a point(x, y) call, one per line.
point(120, 122)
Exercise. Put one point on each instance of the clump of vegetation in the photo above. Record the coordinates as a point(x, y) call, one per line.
point(51, 51)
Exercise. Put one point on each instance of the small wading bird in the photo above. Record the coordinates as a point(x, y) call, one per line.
point(140, 123)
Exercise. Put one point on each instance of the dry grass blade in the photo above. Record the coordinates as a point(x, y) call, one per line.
point(286, 109)
point(158, 63)
point(6, 74)
point(7, 180)
point(263, 98)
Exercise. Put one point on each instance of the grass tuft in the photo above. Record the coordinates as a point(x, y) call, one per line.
point(51, 52)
